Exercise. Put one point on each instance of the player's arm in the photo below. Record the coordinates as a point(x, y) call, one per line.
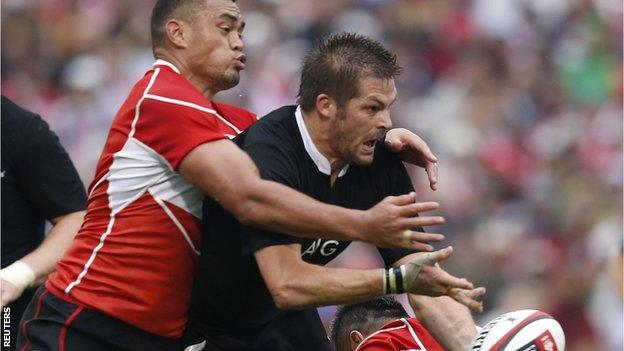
point(444, 313)
point(34, 268)
point(51, 184)
point(228, 175)
point(294, 283)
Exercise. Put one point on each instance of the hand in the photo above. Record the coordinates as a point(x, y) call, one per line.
point(425, 277)
point(8, 292)
point(412, 149)
point(388, 223)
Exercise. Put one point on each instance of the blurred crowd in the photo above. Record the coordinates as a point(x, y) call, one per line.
point(521, 100)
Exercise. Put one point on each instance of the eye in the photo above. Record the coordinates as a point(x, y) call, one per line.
point(226, 29)
point(373, 109)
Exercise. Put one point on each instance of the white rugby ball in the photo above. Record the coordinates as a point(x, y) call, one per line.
point(523, 330)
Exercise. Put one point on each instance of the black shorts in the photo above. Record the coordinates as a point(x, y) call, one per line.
point(299, 330)
point(50, 323)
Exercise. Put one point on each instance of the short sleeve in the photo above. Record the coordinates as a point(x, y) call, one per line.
point(274, 163)
point(48, 177)
point(173, 131)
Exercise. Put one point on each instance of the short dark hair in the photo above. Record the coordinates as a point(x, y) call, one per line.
point(164, 10)
point(366, 317)
point(336, 65)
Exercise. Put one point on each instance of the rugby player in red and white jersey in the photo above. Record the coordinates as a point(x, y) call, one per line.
point(384, 325)
point(126, 279)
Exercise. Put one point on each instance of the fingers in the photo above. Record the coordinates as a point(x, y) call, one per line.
point(468, 298)
point(402, 199)
point(443, 254)
point(414, 208)
point(419, 241)
point(415, 142)
point(432, 174)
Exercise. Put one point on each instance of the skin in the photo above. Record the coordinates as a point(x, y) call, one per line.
point(44, 258)
point(207, 48)
point(347, 135)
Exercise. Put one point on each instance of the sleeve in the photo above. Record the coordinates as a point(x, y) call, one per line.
point(48, 177)
point(173, 131)
point(394, 181)
point(274, 164)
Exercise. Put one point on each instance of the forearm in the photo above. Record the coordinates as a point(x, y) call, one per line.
point(276, 207)
point(44, 258)
point(441, 314)
point(294, 283)
point(321, 286)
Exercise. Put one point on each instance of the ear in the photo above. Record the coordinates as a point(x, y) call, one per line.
point(355, 338)
point(326, 106)
point(177, 33)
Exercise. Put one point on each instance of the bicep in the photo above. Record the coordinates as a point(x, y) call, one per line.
point(220, 169)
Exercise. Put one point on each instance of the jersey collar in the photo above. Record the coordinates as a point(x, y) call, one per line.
point(161, 62)
point(322, 163)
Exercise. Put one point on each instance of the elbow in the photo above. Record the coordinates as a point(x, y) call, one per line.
point(284, 300)
point(285, 297)
point(248, 212)
point(246, 205)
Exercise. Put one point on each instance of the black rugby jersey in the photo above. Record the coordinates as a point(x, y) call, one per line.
point(229, 293)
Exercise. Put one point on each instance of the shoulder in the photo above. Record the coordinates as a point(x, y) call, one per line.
point(278, 127)
point(18, 122)
point(172, 88)
point(240, 116)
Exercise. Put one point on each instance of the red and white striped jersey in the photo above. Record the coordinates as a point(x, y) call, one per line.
point(400, 335)
point(135, 256)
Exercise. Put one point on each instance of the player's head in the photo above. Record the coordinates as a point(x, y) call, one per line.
point(353, 323)
point(204, 36)
point(349, 80)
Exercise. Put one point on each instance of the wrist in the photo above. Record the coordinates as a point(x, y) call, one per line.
point(394, 280)
point(359, 224)
point(19, 274)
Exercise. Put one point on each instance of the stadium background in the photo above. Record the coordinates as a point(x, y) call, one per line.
point(521, 100)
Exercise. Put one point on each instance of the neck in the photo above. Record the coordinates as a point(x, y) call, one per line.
point(319, 133)
point(201, 85)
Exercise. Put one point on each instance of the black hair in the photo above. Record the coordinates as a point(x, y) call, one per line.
point(366, 317)
point(164, 10)
point(336, 65)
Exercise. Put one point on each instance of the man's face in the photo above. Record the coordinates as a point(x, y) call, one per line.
point(363, 120)
point(216, 52)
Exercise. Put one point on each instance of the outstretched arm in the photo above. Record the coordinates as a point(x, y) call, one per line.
point(294, 283)
point(228, 175)
point(444, 313)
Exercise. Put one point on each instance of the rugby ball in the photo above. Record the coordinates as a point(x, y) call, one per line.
point(523, 330)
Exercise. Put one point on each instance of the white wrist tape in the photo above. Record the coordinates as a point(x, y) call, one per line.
point(18, 274)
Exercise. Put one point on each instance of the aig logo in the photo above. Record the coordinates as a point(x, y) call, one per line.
point(326, 248)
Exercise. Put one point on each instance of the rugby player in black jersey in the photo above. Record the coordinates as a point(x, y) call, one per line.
point(255, 289)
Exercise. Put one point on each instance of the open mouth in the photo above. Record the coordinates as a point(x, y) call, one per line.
point(370, 143)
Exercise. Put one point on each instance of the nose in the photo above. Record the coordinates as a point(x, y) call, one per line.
point(385, 122)
point(236, 43)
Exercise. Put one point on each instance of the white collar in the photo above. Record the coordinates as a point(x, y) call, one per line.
point(168, 64)
point(322, 163)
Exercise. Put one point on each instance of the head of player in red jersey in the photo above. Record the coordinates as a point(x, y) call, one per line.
point(347, 86)
point(353, 323)
point(202, 38)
